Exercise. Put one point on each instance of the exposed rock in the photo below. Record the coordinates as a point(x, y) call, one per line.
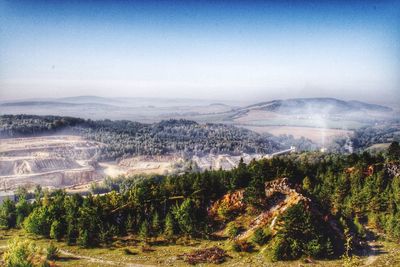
point(233, 202)
point(280, 195)
point(50, 161)
point(393, 168)
point(281, 185)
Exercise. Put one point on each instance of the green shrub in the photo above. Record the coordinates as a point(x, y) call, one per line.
point(52, 252)
point(23, 253)
point(242, 246)
point(260, 237)
point(232, 230)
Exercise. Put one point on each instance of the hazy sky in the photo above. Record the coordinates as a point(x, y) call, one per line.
point(252, 50)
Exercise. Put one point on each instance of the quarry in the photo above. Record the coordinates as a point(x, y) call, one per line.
point(49, 161)
point(69, 161)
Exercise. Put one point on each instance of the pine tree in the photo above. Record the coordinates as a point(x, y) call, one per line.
point(144, 231)
point(169, 229)
point(56, 230)
point(155, 225)
point(83, 239)
point(184, 216)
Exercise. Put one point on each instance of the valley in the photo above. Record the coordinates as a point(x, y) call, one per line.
point(252, 191)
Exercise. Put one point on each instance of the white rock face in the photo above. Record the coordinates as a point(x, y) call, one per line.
point(50, 161)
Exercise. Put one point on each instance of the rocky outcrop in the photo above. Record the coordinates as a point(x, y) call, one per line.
point(280, 195)
point(281, 185)
point(231, 202)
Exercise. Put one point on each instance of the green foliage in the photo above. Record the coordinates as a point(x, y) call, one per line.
point(242, 246)
point(23, 209)
point(394, 151)
point(38, 222)
point(8, 215)
point(129, 138)
point(144, 231)
point(169, 229)
point(232, 230)
point(301, 234)
point(84, 239)
point(52, 252)
point(88, 224)
point(155, 225)
point(358, 227)
point(307, 185)
point(22, 253)
point(351, 187)
point(56, 230)
point(260, 237)
point(224, 212)
point(184, 216)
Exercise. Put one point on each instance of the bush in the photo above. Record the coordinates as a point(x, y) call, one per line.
point(224, 212)
point(52, 252)
point(232, 230)
point(242, 246)
point(23, 253)
point(260, 237)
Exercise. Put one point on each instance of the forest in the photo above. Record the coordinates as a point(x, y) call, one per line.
point(127, 138)
point(354, 191)
point(364, 137)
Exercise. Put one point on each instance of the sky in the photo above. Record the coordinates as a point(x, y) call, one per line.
point(229, 50)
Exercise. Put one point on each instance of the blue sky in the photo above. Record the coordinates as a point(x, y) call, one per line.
point(234, 50)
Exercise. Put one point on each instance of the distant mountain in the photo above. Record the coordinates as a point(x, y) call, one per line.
point(148, 110)
point(36, 103)
point(54, 104)
point(89, 99)
point(315, 105)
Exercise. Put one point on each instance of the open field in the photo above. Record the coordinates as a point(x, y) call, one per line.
point(268, 118)
point(378, 147)
point(317, 135)
point(128, 251)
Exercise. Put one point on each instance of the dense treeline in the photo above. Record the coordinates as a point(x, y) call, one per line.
point(354, 190)
point(365, 137)
point(126, 138)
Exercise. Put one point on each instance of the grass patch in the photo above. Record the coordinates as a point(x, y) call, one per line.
point(127, 251)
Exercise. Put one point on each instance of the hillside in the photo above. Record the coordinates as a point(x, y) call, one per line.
point(313, 206)
point(157, 109)
point(126, 138)
point(316, 105)
point(326, 113)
